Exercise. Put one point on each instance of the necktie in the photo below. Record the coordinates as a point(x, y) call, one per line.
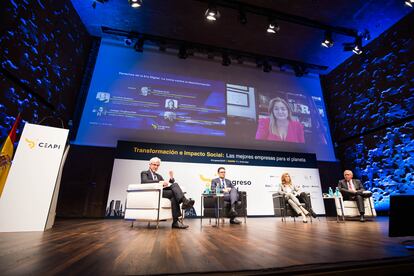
point(154, 176)
point(350, 186)
point(223, 185)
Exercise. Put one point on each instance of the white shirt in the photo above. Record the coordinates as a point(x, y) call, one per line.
point(223, 183)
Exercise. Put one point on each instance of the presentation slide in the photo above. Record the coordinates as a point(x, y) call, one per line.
point(157, 97)
point(154, 101)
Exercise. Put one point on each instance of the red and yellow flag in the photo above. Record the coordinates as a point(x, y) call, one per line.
point(6, 154)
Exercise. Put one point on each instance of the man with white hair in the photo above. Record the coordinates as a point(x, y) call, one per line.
point(171, 191)
point(352, 189)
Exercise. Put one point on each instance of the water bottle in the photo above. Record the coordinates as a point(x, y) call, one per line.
point(337, 194)
point(218, 189)
point(330, 192)
point(207, 190)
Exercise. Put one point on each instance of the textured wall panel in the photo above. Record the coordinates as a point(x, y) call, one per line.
point(370, 101)
point(44, 47)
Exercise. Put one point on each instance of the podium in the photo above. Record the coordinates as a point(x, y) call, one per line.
point(29, 198)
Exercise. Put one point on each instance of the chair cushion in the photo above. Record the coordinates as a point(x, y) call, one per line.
point(135, 187)
point(165, 203)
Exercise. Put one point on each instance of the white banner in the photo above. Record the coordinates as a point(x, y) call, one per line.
point(27, 195)
point(260, 182)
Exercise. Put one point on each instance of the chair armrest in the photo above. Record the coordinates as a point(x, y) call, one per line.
point(277, 195)
point(143, 187)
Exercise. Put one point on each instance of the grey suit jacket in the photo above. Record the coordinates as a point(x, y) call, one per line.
point(217, 181)
point(146, 177)
point(343, 185)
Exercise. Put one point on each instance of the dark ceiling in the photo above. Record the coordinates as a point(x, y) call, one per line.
point(184, 20)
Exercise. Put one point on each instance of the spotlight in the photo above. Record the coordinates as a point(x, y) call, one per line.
point(139, 45)
point(299, 70)
point(358, 46)
point(182, 52)
point(135, 3)
point(239, 59)
point(328, 41)
point(409, 3)
point(226, 61)
point(162, 47)
point(242, 16)
point(366, 35)
point(212, 14)
point(267, 67)
point(127, 41)
point(273, 27)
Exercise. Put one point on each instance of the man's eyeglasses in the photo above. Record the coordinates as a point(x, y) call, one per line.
point(156, 165)
point(222, 172)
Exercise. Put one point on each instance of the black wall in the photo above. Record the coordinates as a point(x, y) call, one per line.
point(370, 101)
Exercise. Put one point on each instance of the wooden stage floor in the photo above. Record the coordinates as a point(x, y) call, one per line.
point(99, 246)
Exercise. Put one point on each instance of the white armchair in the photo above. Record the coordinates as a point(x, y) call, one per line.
point(349, 208)
point(145, 203)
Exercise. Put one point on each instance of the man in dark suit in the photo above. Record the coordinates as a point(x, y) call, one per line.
point(171, 190)
point(352, 189)
point(230, 192)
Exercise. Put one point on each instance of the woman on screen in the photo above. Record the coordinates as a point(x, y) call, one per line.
point(292, 194)
point(279, 126)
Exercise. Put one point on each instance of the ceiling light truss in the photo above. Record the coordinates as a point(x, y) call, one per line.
point(277, 16)
point(188, 48)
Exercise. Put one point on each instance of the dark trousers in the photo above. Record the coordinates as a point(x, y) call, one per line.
point(304, 198)
point(232, 197)
point(176, 195)
point(359, 198)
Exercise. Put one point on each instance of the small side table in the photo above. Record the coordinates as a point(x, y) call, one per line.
point(334, 200)
point(218, 208)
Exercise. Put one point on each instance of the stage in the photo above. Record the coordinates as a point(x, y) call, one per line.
point(260, 246)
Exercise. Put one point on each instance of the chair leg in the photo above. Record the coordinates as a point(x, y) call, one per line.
point(132, 224)
point(149, 224)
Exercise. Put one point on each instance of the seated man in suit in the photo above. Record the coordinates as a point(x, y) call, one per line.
point(230, 192)
point(171, 191)
point(352, 189)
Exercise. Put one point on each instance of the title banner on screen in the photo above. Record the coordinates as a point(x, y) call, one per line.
point(194, 154)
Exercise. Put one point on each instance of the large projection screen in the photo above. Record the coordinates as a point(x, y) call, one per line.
point(156, 97)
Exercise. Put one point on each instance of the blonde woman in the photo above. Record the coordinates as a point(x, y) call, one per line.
point(290, 192)
point(280, 126)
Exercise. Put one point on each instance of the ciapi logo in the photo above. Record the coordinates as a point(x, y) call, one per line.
point(33, 143)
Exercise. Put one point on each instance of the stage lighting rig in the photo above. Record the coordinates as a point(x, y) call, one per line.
point(358, 46)
point(139, 45)
point(135, 3)
point(226, 61)
point(267, 67)
point(242, 16)
point(212, 14)
point(273, 27)
point(183, 52)
point(328, 41)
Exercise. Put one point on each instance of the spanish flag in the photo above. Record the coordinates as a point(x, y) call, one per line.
point(6, 154)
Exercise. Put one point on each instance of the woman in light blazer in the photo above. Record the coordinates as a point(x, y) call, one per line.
point(290, 192)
